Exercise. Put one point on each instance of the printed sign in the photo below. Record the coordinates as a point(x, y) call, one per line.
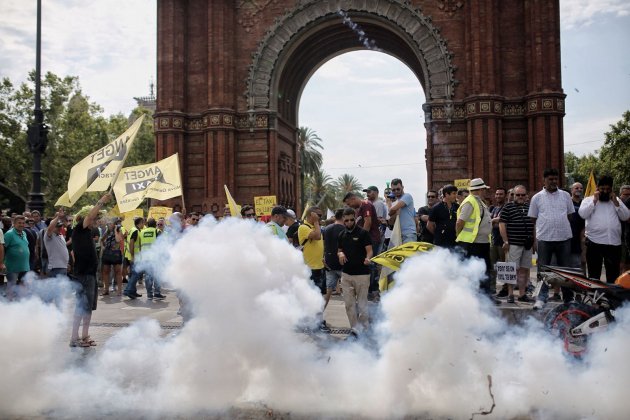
point(128, 217)
point(506, 272)
point(158, 211)
point(264, 204)
point(461, 183)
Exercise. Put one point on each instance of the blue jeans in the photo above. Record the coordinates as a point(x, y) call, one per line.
point(151, 283)
point(374, 271)
point(546, 251)
point(54, 272)
point(133, 280)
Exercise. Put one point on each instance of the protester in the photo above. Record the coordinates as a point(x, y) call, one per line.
point(424, 233)
point(278, 218)
point(38, 222)
point(292, 223)
point(54, 244)
point(354, 252)
point(331, 260)
point(603, 212)
point(148, 236)
point(473, 228)
point(112, 257)
point(405, 210)
point(86, 263)
point(461, 195)
point(550, 209)
point(134, 246)
point(518, 240)
point(577, 258)
point(624, 195)
point(442, 218)
point(379, 206)
point(496, 244)
point(16, 256)
point(248, 212)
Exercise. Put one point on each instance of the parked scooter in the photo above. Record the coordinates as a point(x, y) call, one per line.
point(591, 309)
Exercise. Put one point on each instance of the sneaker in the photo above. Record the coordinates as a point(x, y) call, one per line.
point(130, 296)
point(136, 294)
point(503, 293)
point(495, 301)
point(538, 305)
point(149, 297)
point(324, 328)
point(159, 296)
point(525, 299)
point(510, 299)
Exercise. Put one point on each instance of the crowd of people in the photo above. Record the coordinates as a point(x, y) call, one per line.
point(561, 227)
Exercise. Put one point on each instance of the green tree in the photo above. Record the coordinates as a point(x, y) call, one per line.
point(309, 146)
point(347, 183)
point(615, 153)
point(578, 168)
point(321, 190)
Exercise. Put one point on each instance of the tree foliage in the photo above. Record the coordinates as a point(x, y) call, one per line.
point(77, 127)
point(613, 158)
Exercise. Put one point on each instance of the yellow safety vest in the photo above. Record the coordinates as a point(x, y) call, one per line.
point(147, 237)
point(136, 244)
point(471, 226)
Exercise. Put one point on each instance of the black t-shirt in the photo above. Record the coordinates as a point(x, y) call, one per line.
point(577, 224)
point(331, 245)
point(497, 240)
point(292, 233)
point(367, 210)
point(425, 235)
point(353, 243)
point(444, 220)
point(85, 259)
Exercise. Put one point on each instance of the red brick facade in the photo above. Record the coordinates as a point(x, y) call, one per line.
point(231, 72)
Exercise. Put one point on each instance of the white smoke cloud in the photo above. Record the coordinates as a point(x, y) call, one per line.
point(433, 350)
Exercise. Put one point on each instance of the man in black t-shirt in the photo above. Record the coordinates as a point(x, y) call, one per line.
point(293, 223)
point(85, 266)
point(442, 218)
point(331, 261)
point(354, 252)
point(425, 235)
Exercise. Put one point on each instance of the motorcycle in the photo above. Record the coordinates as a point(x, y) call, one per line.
point(591, 310)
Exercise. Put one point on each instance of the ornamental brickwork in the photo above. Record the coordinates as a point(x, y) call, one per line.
point(231, 72)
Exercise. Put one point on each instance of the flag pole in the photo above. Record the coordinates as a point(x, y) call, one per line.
point(181, 178)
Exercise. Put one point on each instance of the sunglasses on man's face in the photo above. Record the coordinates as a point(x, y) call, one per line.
point(520, 195)
point(432, 196)
point(194, 220)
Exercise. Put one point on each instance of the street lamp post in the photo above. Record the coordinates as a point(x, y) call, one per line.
point(37, 131)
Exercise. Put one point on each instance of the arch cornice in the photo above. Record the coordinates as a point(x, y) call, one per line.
point(427, 44)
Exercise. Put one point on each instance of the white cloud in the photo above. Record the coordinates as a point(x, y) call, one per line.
point(577, 13)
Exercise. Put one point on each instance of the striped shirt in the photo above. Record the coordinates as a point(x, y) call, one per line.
point(518, 225)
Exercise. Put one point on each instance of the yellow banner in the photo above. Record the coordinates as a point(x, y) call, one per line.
point(263, 204)
point(591, 186)
point(157, 212)
point(97, 171)
point(393, 258)
point(159, 180)
point(235, 209)
point(461, 183)
point(128, 217)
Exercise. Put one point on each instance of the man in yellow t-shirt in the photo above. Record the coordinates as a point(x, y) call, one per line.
point(310, 238)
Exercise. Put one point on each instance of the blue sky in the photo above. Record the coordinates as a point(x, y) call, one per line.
point(366, 106)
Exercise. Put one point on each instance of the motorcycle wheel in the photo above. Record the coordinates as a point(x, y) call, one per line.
point(562, 319)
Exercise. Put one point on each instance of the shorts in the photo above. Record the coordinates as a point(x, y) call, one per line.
point(86, 293)
point(112, 258)
point(521, 256)
point(332, 279)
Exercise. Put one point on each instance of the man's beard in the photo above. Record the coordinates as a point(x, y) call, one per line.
point(604, 196)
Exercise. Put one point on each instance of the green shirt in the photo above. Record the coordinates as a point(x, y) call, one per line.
point(16, 253)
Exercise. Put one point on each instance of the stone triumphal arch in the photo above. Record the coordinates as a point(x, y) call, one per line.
point(231, 72)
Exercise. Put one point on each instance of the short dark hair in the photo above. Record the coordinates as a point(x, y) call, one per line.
point(448, 189)
point(502, 189)
point(138, 220)
point(311, 210)
point(396, 181)
point(462, 191)
point(605, 180)
point(339, 214)
point(245, 208)
point(550, 172)
point(151, 222)
point(349, 196)
point(349, 211)
point(431, 191)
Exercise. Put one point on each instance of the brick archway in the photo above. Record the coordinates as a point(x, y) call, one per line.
point(230, 76)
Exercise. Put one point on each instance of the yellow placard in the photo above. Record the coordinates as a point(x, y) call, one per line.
point(128, 217)
point(461, 183)
point(264, 204)
point(159, 211)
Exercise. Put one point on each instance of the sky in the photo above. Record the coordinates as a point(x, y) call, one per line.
point(366, 106)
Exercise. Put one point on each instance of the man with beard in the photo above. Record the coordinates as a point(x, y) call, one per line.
point(624, 195)
point(603, 212)
point(354, 252)
point(442, 218)
point(550, 209)
point(404, 209)
point(425, 235)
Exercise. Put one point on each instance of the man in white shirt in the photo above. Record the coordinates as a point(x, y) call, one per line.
point(550, 209)
point(603, 213)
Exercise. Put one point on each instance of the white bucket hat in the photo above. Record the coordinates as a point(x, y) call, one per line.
point(477, 184)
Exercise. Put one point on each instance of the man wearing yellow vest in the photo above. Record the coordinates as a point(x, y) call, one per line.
point(148, 236)
point(473, 228)
point(133, 250)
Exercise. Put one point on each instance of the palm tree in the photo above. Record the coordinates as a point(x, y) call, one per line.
point(320, 190)
point(310, 158)
point(347, 183)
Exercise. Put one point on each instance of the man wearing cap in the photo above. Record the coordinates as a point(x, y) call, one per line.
point(278, 218)
point(473, 228)
point(604, 213)
point(292, 225)
point(550, 209)
point(404, 209)
point(56, 247)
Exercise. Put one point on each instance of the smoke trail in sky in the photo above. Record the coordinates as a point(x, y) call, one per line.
point(434, 347)
point(368, 43)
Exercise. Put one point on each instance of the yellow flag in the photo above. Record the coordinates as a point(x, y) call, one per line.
point(591, 186)
point(394, 257)
point(97, 171)
point(235, 209)
point(386, 280)
point(159, 180)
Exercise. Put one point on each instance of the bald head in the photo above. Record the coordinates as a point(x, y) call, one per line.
point(576, 191)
